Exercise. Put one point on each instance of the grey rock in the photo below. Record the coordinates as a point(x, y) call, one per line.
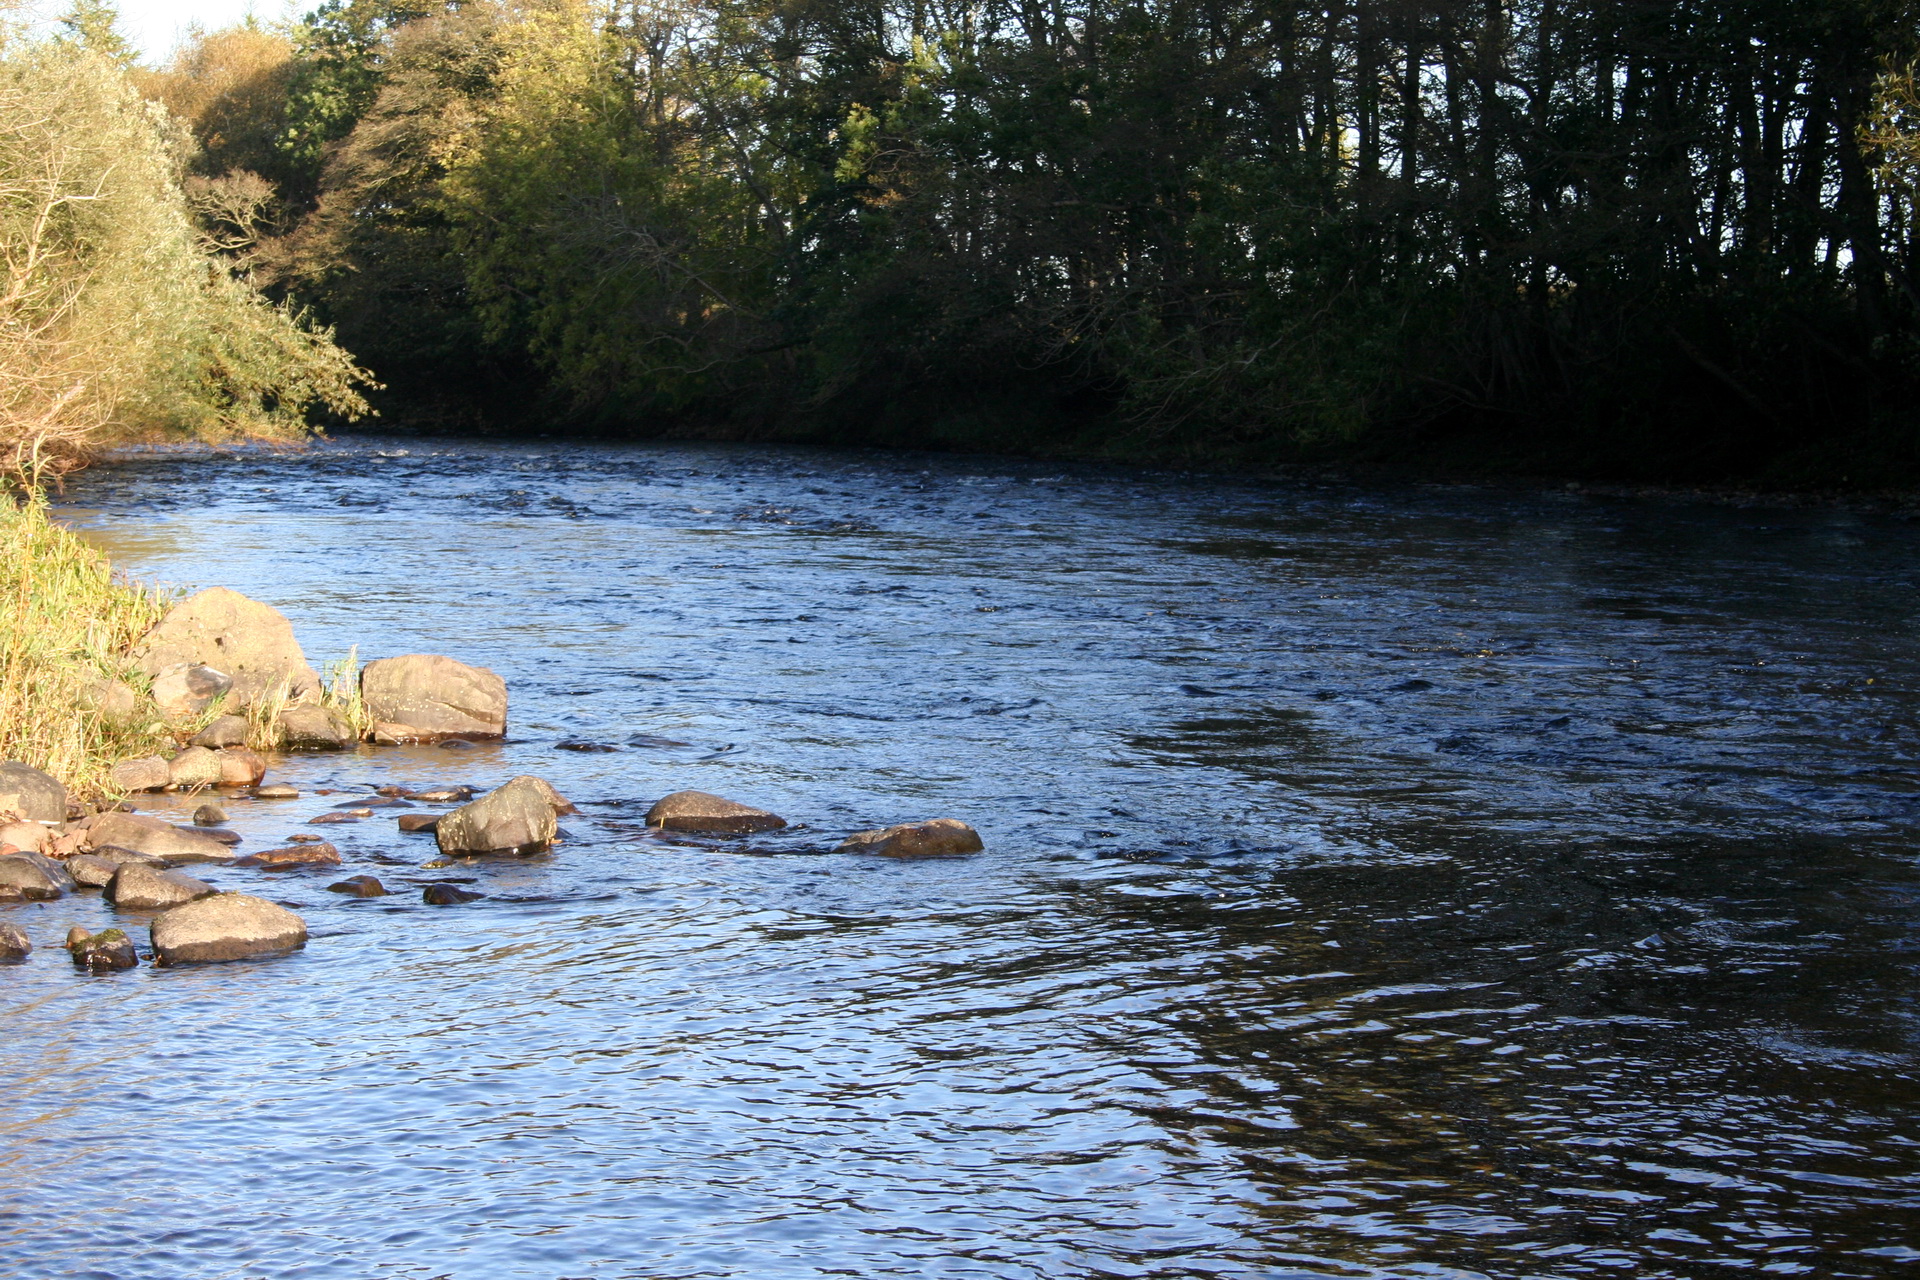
point(698, 811)
point(15, 946)
point(156, 838)
point(426, 697)
point(31, 794)
point(194, 768)
point(209, 815)
point(447, 895)
point(137, 887)
point(311, 728)
point(516, 817)
point(276, 791)
point(35, 876)
point(147, 773)
point(223, 731)
point(114, 701)
point(91, 870)
point(441, 795)
point(938, 838)
point(116, 855)
point(106, 950)
point(249, 641)
point(226, 926)
point(186, 689)
point(296, 855)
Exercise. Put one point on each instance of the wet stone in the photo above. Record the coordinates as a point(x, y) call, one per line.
point(101, 952)
point(702, 812)
point(91, 870)
point(14, 944)
point(419, 822)
point(938, 838)
point(276, 791)
point(226, 926)
point(35, 877)
point(136, 887)
point(359, 887)
point(297, 855)
point(209, 815)
point(447, 895)
point(441, 795)
point(305, 837)
point(350, 815)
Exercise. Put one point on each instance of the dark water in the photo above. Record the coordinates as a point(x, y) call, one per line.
point(1413, 883)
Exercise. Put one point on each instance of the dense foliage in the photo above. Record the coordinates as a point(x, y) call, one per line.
point(1672, 236)
point(117, 315)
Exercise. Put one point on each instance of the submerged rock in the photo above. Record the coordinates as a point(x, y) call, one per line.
point(311, 728)
point(251, 642)
point(159, 839)
point(938, 838)
point(15, 946)
point(426, 697)
point(194, 768)
point(359, 887)
point(35, 876)
point(186, 689)
point(146, 773)
point(223, 731)
point(138, 887)
point(698, 811)
point(28, 793)
point(516, 817)
point(296, 855)
point(226, 926)
point(447, 895)
point(106, 950)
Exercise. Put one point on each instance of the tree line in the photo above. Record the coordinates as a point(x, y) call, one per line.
point(1672, 238)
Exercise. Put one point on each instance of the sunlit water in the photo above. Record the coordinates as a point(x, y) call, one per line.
point(1379, 882)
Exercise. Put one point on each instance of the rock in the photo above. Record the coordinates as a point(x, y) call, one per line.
point(155, 838)
point(311, 728)
point(351, 815)
point(241, 767)
point(441, 795)
point(209, 815)
point(28, 793)
point(710, 814)
point(410, 822)
point(359, 887)
point(186, 689)
point(278, 791)
point(295, 855)
point(137, 887)
point(456, 744)
point(224, 731)
point(226, 926)
point(90, 869)
point(34, 876)
point(114, 701)
point(249, 641)
point(516, 817)
point(446, 895)
point(15, 946)
point(148, 773)
point(424, 697)
point(116, 855)
point(194, 768)
point(105, 950)
point(560, 803)
point(223, 834)
point(307, 838)
point(939, 838)
point(29, 836)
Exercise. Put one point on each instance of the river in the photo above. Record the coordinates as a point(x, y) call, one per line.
point(1382, 881)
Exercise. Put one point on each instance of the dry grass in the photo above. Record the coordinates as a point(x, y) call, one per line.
point(66, 624)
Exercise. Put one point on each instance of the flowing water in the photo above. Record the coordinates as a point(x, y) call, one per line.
point(1411, 882)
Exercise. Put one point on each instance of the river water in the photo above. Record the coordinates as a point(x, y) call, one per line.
point(1409, 882)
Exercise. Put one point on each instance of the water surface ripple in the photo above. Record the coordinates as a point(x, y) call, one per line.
point(1391, 882)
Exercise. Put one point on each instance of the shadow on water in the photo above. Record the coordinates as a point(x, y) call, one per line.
point(1395, 883)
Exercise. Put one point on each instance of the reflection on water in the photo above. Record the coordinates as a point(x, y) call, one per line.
point(1417, 882)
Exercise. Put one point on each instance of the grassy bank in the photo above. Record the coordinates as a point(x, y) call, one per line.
point(66, 624)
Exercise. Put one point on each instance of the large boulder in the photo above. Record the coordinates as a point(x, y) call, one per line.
point(34, 876)
point(938, 838)
point(185, 689)
point(155, 838)
point(249, 642)
point(226, 926)
point(194, 768)
point(28, 793)
point(147, 773)
point(311, 728)
point(516, 817)
point(424, 697)
point(698, 811)
point(138, 887)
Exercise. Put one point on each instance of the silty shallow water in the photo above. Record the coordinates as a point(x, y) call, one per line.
point(1380, 882)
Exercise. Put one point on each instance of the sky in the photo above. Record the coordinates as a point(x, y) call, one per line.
point(155, 26)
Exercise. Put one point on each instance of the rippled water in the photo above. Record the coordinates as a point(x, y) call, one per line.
point(1419, 882)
